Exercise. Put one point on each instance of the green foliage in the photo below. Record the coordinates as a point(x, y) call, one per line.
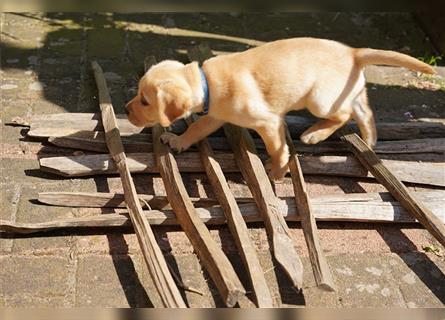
point(431, 60)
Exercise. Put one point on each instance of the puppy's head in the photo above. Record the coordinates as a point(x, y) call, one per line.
point(164, 95)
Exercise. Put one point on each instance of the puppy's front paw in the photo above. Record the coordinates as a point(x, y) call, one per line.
point(277, 174)
point(175, 142)
point(311, 137)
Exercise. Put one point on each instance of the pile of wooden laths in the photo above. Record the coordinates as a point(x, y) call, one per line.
point(123, 149)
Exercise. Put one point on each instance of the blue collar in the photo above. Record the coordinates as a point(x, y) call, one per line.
point(205, 88)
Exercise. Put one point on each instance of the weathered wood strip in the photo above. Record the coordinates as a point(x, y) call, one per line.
point(139, 142)
point(111, 200)
point(361, 207)
point(95, 141)
point(157, 266)
point(236, 224)
point(211, 255)
point(116, 200)
point(399, 191)
point(60, 124)
point(268, 204)
point(346, 166)
point(322, 273)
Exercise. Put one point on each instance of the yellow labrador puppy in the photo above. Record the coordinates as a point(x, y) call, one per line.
point(256, 88)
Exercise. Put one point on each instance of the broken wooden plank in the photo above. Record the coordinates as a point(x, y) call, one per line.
point(399, 191)
point(255, 175)
point(211, 255)
point(322, 273)
point(95, 141)
point(346, 166)
point(236, 224)
point(139, 142)
point(116, 200)
point(360, 207)
point(154, 259)
point(68, 123)
point(111, 200)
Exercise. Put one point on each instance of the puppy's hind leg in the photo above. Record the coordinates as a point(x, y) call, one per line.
point(324, 128)
point(363, 115)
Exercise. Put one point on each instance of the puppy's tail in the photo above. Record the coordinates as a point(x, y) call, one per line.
point(366, 56)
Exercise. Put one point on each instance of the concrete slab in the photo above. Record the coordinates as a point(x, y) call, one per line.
point(9, 197)
point(28, 212)
point(24, 278)
point(420, 278)
point(365, 280)
point(110, 281)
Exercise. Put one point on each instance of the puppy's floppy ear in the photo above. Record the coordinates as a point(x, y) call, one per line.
point(173, 102)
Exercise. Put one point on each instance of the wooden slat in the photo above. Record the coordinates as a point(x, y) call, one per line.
point(157, 266)
point(322, 273)
point(111, 200)
point(345, 166)
point(399, 191)
point(360, 207)
point(116, 200)
point(236, 224)
point(268, 204)
point(95, 141)
point(69, 123)
point(255, 175)
point(211, 255)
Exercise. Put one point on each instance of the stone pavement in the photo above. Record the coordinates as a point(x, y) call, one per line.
point(45, 69)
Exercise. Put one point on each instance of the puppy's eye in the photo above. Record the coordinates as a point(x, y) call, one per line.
point(144, 101)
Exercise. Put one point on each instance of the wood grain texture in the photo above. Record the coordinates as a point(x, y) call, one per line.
point(235, 222)
point(154, 259)
point(360, 207)
point(69, 123)
point(210, 254)
point(399, 191)
point(111, 200)
point(268, 204)
point(346, 166)
point(95, 141)
point(116, 200)
point(322, 273)
point(138, 142)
